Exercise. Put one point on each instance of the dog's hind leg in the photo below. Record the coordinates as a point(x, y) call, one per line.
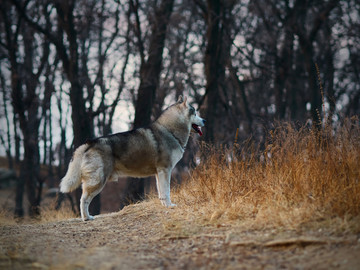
point(88, 194)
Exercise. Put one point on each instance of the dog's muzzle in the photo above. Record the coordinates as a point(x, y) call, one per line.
point(197, 128)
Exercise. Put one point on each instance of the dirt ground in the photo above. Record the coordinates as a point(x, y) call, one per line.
point(148, 236)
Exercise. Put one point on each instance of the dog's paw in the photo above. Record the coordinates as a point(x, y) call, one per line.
point(170, 205)
point(88, 218)
point(167, 203)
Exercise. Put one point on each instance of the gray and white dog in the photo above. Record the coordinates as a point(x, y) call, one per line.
point(142, 152)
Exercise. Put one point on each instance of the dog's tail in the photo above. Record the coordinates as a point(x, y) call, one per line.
point(72, 179)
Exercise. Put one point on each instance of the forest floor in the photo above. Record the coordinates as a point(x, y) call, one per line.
point(149, 236)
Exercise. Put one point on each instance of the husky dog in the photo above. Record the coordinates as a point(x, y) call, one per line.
point(152, 150)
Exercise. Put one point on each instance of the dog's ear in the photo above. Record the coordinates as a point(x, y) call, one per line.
point(180, 99)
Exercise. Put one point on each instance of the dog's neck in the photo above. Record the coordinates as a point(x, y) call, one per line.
point(180, 141)
point(180, 131)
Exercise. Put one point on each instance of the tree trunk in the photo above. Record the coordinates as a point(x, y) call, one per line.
point(149, 81)
point(16, 99)
point(151, 69)
point(82, 127)
point(30, 172)
point(315, 95)
point(240, 88)
point(82, 121)
point(7, 145)
point(214, 67)
point(283, 64)
point(306, 39)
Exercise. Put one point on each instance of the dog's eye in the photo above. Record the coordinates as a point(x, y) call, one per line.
point(192, 110)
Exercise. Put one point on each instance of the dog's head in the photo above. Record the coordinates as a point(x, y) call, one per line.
point(189, 111)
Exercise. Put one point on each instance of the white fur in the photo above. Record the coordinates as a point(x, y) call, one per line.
point(72, 179)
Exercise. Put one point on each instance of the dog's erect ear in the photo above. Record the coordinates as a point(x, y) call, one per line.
point(180, 99)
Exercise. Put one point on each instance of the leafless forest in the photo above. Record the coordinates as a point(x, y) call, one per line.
point(74, 69)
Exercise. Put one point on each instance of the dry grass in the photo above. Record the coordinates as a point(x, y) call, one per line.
point(302, 177)
point(48, 214)
point(6, 218)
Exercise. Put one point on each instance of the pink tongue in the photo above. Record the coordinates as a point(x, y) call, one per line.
point(198, 129)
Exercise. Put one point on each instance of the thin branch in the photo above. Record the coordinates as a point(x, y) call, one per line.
point(321, 17)
point(61, 49)
point(135, 9)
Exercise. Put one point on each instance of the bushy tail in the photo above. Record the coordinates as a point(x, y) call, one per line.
point(72, 179)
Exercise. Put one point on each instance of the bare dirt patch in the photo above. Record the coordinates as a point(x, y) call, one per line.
point(148, 236)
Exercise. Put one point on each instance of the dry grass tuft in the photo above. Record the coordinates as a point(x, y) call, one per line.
point(6, 218)
point(303, 176)
point(48, 214)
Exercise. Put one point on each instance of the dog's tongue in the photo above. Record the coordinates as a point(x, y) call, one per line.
point(197, 129)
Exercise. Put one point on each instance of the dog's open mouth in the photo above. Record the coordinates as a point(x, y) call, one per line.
point(197, 129)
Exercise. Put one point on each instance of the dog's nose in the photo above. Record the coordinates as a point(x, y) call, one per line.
point(204, 121)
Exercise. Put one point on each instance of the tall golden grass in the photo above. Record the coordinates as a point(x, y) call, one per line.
point(303, 175)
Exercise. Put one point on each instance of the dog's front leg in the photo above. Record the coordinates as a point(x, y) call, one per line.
point(163, 187)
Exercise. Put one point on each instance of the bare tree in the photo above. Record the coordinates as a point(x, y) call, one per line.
point(218, 39)
point(70, 34)
point(8, 144)
point(150, 68)
point(26, 103)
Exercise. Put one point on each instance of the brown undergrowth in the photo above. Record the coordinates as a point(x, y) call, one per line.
point(303, 177)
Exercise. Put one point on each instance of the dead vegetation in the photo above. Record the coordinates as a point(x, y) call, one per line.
point(304, 176)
